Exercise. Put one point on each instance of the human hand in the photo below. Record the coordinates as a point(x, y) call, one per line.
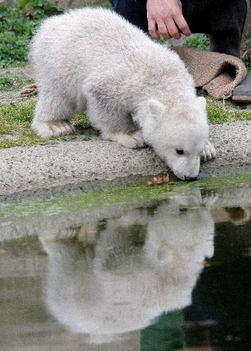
point(165, 17)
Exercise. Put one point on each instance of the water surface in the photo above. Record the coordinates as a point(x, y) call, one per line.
point(166, 274)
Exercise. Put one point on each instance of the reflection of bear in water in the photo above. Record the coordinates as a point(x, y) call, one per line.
point(222, 20)
point(142, 264)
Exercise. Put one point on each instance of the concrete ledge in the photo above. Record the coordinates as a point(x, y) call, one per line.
point(95, 164)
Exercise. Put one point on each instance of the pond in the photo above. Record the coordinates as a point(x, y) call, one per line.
point(165, 270)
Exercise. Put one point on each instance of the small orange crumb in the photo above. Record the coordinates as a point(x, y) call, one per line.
point(158, 180)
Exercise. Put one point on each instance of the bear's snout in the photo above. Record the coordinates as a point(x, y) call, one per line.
point(190, 179)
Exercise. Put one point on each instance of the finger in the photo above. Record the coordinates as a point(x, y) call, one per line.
point(182, 25)
point(152, 29)
point(173, 30)
point(163, 30)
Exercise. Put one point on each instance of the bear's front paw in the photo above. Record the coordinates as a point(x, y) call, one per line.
point(132, 141)
point(136, 140)
point(52, 128)
point(208, 153)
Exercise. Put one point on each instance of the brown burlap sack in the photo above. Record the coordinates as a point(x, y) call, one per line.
point(217, 74)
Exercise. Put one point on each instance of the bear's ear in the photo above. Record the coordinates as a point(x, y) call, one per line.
point(156, 108)
point(202, 102)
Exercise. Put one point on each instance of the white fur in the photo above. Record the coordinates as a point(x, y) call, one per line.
point(140, 265)
point(95, 59)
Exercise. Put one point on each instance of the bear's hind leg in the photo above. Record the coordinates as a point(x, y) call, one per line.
point(52, 116)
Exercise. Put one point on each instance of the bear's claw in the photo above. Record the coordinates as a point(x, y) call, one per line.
point(208, 153)
point(52, 128)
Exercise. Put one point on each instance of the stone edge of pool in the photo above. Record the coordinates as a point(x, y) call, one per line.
point(97, 164)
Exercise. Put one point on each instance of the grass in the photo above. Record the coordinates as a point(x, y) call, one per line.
point(15, 127)
point(10, 81)
point(16, 120)
point(220, 112)
point(198, 41)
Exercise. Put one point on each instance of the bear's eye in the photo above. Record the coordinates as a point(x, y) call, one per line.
point(180, 151)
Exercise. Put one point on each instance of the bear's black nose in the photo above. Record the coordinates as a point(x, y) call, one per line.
point(190, 179)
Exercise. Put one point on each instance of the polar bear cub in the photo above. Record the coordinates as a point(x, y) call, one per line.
point(135, 90)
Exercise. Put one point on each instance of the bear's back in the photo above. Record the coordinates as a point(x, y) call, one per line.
point(98, 27)
point(97, 40)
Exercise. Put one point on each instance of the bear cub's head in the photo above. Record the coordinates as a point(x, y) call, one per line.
point(178, 134)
